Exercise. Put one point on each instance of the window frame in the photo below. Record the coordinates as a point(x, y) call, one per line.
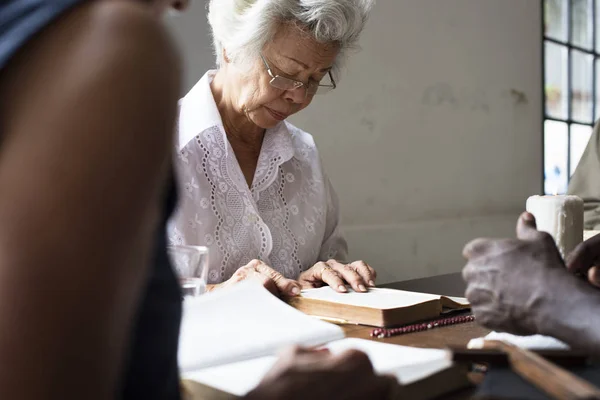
point(570, 47)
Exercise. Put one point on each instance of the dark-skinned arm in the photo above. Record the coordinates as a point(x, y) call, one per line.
point(87, 111)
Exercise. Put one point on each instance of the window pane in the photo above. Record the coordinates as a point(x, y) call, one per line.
point(581, 23)
point(597, 25)
point(556, 80)
point(555, 157)
point(581, 80)
point(555, 18)
point(580, 136)
point(597, 115)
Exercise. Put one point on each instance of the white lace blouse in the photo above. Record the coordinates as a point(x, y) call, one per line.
point(288, 218)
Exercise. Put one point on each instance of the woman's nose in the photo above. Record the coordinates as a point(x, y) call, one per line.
point(297, 95)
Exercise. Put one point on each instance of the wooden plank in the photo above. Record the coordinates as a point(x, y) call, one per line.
point(555, 381)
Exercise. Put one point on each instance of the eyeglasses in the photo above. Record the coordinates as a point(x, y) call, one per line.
point(312, 87)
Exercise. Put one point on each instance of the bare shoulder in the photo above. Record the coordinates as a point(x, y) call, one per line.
point(95, 42)
point(97, 55)
point(98, 83)
point(131, 46)
point(120, 25)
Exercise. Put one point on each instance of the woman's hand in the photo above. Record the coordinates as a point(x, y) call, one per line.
point(267, 276)
point(359, 275)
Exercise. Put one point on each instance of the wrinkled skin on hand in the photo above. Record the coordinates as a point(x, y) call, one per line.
point(358, 274)
point(258, 271)
point(521, 285)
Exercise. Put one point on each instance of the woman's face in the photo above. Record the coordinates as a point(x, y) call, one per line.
point(293, 54)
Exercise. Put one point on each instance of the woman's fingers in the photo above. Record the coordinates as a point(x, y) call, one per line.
point(283, 284)
point(359, 275)
point(350, 275)
point(330, 276)
point(365, 271)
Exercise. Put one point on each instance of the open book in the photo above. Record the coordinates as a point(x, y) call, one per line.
point(230, 338)
point(377, 307)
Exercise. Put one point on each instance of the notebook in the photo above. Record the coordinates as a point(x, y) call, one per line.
point(230, 338)
point(377, 307)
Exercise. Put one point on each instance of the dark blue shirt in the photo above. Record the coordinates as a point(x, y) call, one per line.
point(151, 369)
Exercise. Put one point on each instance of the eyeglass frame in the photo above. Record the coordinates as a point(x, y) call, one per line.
point(297, 84)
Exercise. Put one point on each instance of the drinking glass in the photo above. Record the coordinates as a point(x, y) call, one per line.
point(191, 266)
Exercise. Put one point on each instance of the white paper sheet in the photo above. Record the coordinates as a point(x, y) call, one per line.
point(408, 364)
point(236, 378)
point(244, 322)
point(534, 342)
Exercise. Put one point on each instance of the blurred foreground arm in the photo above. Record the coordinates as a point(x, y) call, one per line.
point(87, 110)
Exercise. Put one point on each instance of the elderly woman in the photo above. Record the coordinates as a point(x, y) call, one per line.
point(254, 188)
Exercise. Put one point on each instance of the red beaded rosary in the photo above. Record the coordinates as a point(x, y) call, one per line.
point(385, 333)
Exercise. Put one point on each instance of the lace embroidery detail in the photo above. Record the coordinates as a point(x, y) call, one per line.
point(288, 218)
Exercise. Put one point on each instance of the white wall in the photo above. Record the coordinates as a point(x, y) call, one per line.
point(193, 35)
point(434, 134)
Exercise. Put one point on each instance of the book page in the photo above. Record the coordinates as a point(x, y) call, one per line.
point(407, 364)
point(452, 304)
point(376, 298)
point(242, 322)
point(237, 378)
point(534, 342)
point(460, 301)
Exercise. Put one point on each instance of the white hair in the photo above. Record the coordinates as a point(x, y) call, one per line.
point(243, 27)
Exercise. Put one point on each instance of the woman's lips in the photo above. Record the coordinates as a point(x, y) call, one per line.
point(277, 115)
